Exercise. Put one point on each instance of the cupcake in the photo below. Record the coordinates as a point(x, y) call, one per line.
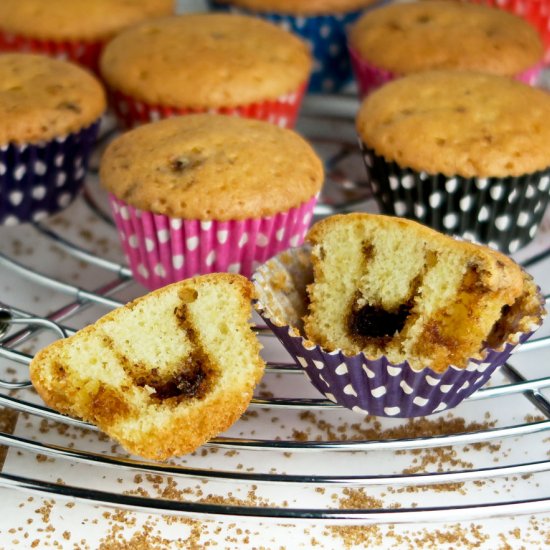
point(208, 193)
point(50, 113)
point(465, 153)
point(537, 12)
point(71, 29)
point(391, 318)
point(401, 39)
point(322, 23)
point(194, 63)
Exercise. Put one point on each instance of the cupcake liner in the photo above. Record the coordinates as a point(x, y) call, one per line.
point(504, 213)
point(39, 180)
point(162, 250)
point(537, 12)
point(369, 77)
point(84, 53)
point(359, 383)
point(326, 35)
point(282, 111)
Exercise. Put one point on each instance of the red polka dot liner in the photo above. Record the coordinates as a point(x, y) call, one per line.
point(370, 385)
point(84, 53)
point(369, 77)
point(537, 12)
point(503, 213)
point(38, 180)
point(162, 250)
point(282, 111)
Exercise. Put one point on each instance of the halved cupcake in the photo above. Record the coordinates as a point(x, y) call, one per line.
point(391, 318)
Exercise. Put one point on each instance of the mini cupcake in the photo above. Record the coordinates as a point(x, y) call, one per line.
point(322, 23)
point(537, 12)
point(208, 193)
point(465, 153)
point(390, 318)
point(195, 63)
point(50, 113)
point(401, 39)
point(71, 29)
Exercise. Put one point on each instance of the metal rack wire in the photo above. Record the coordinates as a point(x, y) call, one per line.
point(20, 328)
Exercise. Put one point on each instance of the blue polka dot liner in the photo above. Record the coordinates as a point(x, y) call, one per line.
point(503, 213)
point(370, 385)
point(38, 180)
point(326, 36)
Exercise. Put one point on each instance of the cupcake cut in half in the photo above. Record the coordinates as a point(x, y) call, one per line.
point(405, 38)
point(206, 193)
point(465, 153)
point(163, 374)
point(206, 62)
point(50, 112)
point(71, 29)
point(388, 317)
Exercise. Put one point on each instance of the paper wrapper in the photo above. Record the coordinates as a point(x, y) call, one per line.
point(282, 111)
point(84, 53)
point(326, 35)
point(537, 12)
point(369, 77)
point(375, 385)
point(504, 213)
point(162, 250)
point(39, 180)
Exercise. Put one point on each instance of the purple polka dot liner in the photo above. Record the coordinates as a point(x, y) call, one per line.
point(162, 250)
point(38, 180)
point(375, 385)
point(503, 213)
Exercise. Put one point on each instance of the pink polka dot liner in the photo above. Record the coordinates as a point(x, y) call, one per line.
point(369, 77)
point(162, 250)
point(282, 111)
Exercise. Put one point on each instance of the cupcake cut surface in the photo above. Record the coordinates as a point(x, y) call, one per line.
point(459, 123)
point(77, 19)
point(212, 167)
point(43, 98)
point(206, 60)
point(417, 36)
point(163, 374)
point(389, 286)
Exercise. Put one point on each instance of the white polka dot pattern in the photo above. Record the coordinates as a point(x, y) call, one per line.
point(37, 181)
point(504, 213)
point(161, 250)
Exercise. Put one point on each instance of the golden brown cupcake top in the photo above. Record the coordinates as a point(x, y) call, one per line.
point(302, 7)
point(77, 19)
point(418, 36)
point(211, 167)
point(206, 60)
point(43, 98)
point(459, 123)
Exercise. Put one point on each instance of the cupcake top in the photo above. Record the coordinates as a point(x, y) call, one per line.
point(419, 36)
point(459, 123)
point(206, 60)
point(77, 19)
point(211, 167)
point(43, 98)
point(302, 7)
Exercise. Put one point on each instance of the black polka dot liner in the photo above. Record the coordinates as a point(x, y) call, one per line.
point(503, 213)
point(364, 384)
point(39, 180)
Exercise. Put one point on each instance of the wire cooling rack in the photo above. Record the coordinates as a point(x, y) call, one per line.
point(294, 455)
